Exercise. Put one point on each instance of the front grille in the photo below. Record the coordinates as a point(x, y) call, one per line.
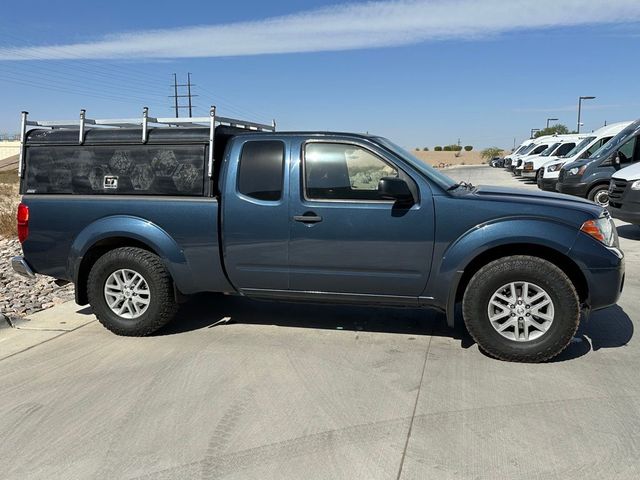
point(616, 190)
point(528, 166)
point(563, 173)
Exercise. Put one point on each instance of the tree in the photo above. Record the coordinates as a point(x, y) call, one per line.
point(468, 148)
point(557, 129)
point(491, 152)
point(438, 148)
point(425, 149)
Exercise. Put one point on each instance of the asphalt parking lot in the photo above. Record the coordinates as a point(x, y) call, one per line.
point(240, 389)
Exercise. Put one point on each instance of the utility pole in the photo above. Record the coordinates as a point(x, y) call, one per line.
point(176, 96)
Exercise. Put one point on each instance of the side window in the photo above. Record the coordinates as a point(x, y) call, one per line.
point(564, 149)
point(627, 151)
point(336, 171)
point(261, 170)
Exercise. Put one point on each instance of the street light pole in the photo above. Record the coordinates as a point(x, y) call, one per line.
point(580, 109)
point(551, 120)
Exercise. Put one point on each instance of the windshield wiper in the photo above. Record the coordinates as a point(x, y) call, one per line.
point(466, 185)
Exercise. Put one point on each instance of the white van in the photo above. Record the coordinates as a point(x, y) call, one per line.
point(624, 194)
point(509, 158)
point(562, 144)
point(536, 147)
point(550, 171)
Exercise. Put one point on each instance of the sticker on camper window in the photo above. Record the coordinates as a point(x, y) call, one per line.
point(110, 182)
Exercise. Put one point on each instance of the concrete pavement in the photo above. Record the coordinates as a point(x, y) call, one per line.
point(241, 389)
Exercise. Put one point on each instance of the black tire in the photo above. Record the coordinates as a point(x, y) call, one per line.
point(521, 268)
point(162, 305)
point(599, 194)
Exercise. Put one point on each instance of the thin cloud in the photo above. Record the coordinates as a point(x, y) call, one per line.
point(343, 27)
point(569, 108)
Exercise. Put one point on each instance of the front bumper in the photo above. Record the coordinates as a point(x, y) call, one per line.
point(578, 189)
point(547, 184)
point(625, 214)
point(603, 269)
point(529, 173)
point(517, 172)
point(21, 267)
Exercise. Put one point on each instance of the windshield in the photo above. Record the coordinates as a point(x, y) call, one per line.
point(615, 142)
point(579, 147)
point(550, 150)
point(440, 178)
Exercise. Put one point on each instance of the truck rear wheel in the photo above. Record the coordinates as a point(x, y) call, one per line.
point(131, 292)
point(521, 309)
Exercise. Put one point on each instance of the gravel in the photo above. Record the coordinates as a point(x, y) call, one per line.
point(20, 296)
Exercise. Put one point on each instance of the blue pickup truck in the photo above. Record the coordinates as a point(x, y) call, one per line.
point(140, 216)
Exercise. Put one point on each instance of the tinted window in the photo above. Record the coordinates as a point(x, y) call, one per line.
point(125, 170)
point(335, 171)
point(260, 173)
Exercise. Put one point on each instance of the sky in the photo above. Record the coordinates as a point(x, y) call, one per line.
point(420, 72)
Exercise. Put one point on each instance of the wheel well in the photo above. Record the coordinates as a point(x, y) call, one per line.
point(567, 265)
point(597, 185)
point(97, 250)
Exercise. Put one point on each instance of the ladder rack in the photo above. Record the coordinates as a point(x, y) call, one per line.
point(163, 122)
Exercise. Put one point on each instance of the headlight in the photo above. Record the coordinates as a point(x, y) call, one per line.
point(602, 229)
point(635, 185)
point(555, 167)
point(577, 170)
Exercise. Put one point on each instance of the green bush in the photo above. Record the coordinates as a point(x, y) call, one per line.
point(438, 149)
point(468, 148)
point(447, 148)
point(425, 149)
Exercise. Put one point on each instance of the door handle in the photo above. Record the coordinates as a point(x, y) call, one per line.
point(308, 217)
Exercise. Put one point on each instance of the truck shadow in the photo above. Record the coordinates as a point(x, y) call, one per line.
point(608, 328)
point(210, 310)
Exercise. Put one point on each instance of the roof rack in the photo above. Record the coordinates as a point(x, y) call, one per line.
point(211, 121)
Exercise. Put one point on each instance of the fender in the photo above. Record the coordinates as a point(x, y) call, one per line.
point(545, 232)
point(137, 229)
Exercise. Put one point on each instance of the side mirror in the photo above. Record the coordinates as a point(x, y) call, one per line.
point(394, 188)
point(618, 158)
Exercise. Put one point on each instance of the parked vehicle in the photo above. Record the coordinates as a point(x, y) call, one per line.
point(548, 178)
point(624, 194)
point(562, 145)
point(497, 162)
point(509, 158)
point(590, 178)
point(139, 218)
point(538, 146)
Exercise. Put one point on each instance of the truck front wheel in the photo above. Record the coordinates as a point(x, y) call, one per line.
point(521, 309)
point(131, 292)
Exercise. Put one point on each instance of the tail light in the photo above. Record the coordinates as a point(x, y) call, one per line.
point(23, 222)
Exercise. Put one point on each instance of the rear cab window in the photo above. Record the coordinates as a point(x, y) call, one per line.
point(261, 170)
